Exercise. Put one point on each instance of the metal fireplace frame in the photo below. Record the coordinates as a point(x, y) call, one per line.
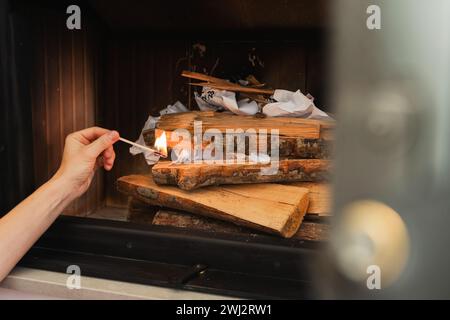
point(247, 266)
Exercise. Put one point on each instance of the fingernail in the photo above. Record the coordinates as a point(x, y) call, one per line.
point(113, 135)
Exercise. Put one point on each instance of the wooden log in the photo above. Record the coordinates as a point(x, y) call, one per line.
point(204, 77)
point(180, 219)
point(289, 147)
point(223, 84)
point(287, 127)
point(298, 138)
point(235, 88)
point(313, 231)
point(272, 208)
point(320, 197)
point(195, 175)
point(255, 83)
point(141, 212)
point(308, 230)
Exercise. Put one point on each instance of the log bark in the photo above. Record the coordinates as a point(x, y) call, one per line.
point(298, 138)
point(272, 208)
point(288, 127)
point(193, 176)
point(142, 213)
point(289, 147)
point(312, 231)
point(180, 219)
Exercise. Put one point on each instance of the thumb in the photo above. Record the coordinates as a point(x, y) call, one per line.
point(102, 143)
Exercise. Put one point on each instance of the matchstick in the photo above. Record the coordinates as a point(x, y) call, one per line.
point(143, 147)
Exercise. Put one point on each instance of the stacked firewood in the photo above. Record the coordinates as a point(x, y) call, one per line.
point(235, 191)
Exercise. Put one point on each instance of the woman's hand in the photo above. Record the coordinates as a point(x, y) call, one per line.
point(84, 152)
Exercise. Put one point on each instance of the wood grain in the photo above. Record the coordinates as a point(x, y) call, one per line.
point(64, 93)
point(232, 87)
point(272, 208)
point(320, 197)
point(287, 127)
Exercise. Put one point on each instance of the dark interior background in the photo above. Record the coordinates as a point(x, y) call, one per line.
point(125, 64)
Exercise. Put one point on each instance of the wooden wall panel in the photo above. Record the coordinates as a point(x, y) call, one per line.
point(140, 79)
point(65, 98)
point(317, 65)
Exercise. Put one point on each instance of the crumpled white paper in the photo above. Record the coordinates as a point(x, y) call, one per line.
point(293, 104)
point(216, 100)
point(150, 157)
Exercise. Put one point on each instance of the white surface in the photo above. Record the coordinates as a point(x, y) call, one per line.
point(9, 294)
point(25, 283)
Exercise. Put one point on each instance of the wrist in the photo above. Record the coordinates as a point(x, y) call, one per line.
point(62, 186)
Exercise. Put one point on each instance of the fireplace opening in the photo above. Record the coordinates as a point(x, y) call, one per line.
point(125, 64)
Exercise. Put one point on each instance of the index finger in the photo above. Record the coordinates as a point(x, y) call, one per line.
point(92, 133)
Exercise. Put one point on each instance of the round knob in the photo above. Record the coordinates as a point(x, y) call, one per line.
point(370, 233)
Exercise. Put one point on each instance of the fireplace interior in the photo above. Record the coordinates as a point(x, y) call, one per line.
point(122, 66)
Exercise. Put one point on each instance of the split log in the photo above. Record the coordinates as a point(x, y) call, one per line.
point(203, 77)
point(272, 208)
point(289, 148)
point(298, 138)
point(141, 212)
point(185, 220)
point(287, 127)
point(223, 84)
point(235, 88)
point(320, 197)
point(195, 175)
point(308, 230)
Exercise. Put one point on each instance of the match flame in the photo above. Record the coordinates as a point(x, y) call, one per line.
point(161, 144)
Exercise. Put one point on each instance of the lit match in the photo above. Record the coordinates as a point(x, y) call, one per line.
point(145, 148)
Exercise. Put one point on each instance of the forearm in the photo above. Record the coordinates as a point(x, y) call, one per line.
point(23, 225)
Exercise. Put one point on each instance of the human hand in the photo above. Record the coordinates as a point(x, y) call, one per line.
point(84, 152)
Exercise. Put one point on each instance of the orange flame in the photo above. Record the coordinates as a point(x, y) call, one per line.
point(161, 144)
